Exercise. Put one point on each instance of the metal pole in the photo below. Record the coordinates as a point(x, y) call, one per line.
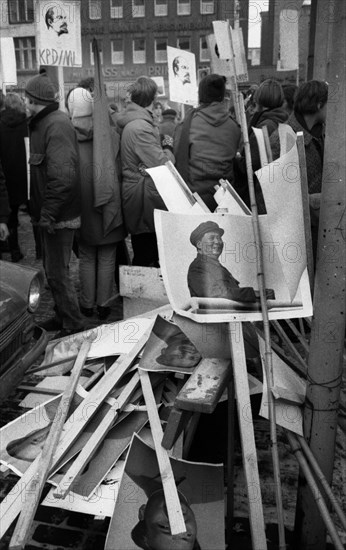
point(328, 327)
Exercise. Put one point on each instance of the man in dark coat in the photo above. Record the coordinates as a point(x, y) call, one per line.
point(55, 196)
point(207, 277)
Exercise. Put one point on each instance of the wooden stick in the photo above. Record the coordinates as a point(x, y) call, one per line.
point(34, 491)
point(298, 334)
point(280, 331)
point(230, 459)
point(10, 507)
point(268, 362)
point(315, 491)
point(306, 207)
point(174, 512)
point(201, 202)
point(267, 144)
point(96, 439)
point(247, 438)
point(322, 479)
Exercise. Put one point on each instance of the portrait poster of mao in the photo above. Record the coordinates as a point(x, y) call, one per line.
point(182, 76)
point(59, 33)
point(169, 350)
point(140, 517)
point(209, 268)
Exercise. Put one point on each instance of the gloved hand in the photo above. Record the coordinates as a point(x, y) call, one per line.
point(166, 142)
point(47, 223)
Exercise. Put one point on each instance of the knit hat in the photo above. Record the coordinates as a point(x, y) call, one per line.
point(202, 229)
point(42, 90)
point(169, 112)
point(212, 88)
point(80, 103)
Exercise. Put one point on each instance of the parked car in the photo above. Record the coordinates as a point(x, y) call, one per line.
point(21, 342)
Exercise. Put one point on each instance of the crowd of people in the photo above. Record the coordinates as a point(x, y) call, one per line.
point(205, 146)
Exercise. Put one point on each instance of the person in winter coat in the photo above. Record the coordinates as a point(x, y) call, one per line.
point(97, 252)
point(4, 207)
point(55, 196)
point(141, 148)
point(13, 130)
point(269, 99)
point(309, 116)
point(206, 143)
point(269, 112)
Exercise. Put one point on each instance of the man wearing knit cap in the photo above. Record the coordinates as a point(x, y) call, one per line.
point(54, 196)
point(206, 143)
point(207, 277)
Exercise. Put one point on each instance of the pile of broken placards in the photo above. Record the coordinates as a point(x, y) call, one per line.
point(84, 415)
point(86, 428)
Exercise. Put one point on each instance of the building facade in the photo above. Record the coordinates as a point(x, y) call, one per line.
point(133, 36)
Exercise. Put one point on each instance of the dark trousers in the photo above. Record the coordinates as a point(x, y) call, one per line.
point(57, 248)
point(145, 250)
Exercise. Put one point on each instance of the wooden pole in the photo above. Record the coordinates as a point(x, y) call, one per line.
point(328, 327)
point(318, 498)
point(174, 512)
point(34, 490)
point(321, 478)
point(268, 363)
point(247, 436)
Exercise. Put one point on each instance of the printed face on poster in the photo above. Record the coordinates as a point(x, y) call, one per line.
point(59, 33)
point(182, 76)
point(217, 276)
point(169, 350)
point(140, 518)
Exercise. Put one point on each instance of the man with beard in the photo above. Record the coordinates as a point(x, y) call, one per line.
point(181, 70)
point(56, 21)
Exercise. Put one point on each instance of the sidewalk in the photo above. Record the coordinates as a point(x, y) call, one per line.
point(45, 310)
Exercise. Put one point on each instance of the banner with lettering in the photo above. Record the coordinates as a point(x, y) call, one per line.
point(59, 33)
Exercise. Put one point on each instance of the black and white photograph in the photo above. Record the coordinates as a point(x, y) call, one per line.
point(169, 350)
point(172, 275)
point(217, 279)
point(141, 512)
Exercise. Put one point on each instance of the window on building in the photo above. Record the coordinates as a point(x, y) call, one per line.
point(183, 7)
point(138, 47)
point(92, 62)
point(184, 43)
point(138, 8)
point(161, 7)
point(117, 9)
point(21, 11)
point(25, 50)
point(207, 6)
point(117, 51)
point(95, 9)
point(161, 50)
point(203, 49)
